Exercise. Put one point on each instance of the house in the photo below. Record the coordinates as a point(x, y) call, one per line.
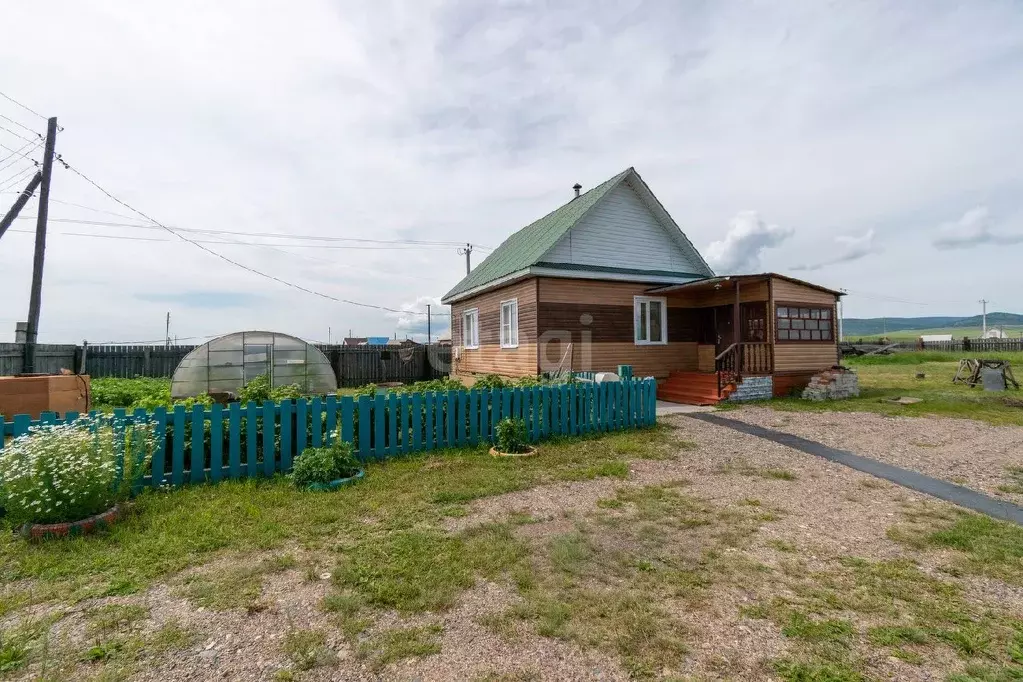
point(609, 279)
point(365, 340)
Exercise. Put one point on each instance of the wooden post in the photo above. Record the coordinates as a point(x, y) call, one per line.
point(737, 334)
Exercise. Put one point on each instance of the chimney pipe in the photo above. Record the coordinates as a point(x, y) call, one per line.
point(577, 187)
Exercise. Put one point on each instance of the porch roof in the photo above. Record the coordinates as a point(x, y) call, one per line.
point(717, 282)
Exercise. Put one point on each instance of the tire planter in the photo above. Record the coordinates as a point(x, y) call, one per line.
point(46, 531)
point(531, 452)
point(338, 483)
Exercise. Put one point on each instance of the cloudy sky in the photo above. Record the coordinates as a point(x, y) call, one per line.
point(875, 147)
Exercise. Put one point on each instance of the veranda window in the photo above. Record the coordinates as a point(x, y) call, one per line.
point(804, 323)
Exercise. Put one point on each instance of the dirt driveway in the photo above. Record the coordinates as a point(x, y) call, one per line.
point(718, 556)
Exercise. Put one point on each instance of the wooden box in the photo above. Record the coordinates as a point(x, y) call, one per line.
point(35, 394)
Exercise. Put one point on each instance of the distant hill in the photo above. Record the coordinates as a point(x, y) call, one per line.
point(875, 326)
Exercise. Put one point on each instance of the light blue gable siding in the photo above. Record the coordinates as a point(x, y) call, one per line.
point(622, 232)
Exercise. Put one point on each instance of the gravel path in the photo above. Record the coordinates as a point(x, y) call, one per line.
point(971, 453)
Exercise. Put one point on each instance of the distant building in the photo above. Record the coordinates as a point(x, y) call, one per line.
point(995, 333)
point(927, 338)
point(354, 341)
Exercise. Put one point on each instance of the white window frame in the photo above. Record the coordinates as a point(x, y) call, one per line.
point(471, 329)
point(636, 301)
point(512, 340)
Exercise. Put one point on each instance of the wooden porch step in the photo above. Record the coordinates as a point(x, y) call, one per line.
point(693, 388)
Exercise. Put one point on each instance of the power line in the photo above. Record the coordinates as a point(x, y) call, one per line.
point(19, 151)
point(17, 178)
point(225, 258)
point(28, 109)
point(17, 135)
point(401, 244)
point(21, 125)
point(396, 246)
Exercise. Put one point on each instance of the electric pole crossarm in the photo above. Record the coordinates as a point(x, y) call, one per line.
point(19, 204)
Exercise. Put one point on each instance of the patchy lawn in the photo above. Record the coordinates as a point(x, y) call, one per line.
point(684, 552)
point(894, 376)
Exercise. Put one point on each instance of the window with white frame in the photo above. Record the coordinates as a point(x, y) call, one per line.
point(651, 319)
point(471, 328)
point(510, 323)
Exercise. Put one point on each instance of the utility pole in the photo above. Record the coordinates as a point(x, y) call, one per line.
point(36, 299)
point(467, 251)
point(841, 317)
point(19, 203)
point(983, 302)
point(429, 318)
point(166, 335)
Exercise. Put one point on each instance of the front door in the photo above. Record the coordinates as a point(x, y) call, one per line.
point(724, 324)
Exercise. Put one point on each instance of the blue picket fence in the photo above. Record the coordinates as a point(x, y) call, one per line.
point(236, 441)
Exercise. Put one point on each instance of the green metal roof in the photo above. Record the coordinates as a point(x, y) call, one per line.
point(528, 245)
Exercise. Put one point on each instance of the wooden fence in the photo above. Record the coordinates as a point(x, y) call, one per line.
point(238, 441)
point(353, 365)
point(973, 345)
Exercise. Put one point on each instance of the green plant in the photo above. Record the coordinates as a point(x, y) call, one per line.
point(511, 436)
point(491, 381)
point(259, 390)
point(326, 464)
point(68, 472)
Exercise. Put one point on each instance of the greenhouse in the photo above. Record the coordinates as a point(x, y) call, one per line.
point(225, 364)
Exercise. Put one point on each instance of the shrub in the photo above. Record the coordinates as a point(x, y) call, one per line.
point(491, 381)
point(68, 472)
point(323, 465)
point(511, 435)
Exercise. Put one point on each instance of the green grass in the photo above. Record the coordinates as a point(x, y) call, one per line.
point(1013, 331)
point(986, 546)
point(1014, 474)
point(885, 377)
point(425, 570)
point(307, 649)
point(167, 532)
point(401, 643)
point(815, 671)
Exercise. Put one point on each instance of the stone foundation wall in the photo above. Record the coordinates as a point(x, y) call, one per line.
point(833, 384)
point(753, 388)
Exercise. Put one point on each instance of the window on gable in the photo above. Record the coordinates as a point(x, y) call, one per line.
point(471, 328)
point(650, 315)
point(803, 324)
point(510, 324)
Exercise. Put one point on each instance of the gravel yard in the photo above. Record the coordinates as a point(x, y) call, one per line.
point(971, 453)
point(709, 555)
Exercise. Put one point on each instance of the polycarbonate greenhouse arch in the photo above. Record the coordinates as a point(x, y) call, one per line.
point(227, 363)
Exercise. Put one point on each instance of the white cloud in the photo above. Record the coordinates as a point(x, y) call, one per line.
point(453, 120)
point(413, 321)
point(747, 237)
point(974, 228)
point(850, 248)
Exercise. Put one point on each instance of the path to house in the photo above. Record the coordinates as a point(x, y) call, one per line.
point(913, 480)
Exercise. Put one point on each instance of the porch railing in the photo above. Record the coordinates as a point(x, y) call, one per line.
point(756, 358)
point(741, 359)
point(727, 366)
